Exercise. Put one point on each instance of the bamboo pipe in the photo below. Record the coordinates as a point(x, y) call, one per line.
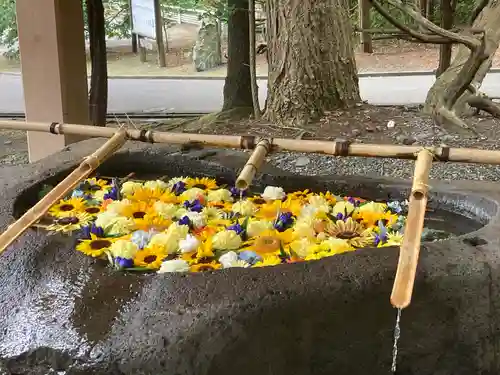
point(88, 165)
point(334, 148)
point(253, 164)
point(410, 248)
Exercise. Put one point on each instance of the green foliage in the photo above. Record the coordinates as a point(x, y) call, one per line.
point(8, 27)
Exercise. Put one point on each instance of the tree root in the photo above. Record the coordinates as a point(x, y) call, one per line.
point(482, 102)
point(447, 118)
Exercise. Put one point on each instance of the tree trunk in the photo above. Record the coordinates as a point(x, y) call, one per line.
point(237, 88)
point(99, 76)
point(445, 49)
point(311, 60)
point(488, 20)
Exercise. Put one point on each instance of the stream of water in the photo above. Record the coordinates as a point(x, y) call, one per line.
point(397, 334)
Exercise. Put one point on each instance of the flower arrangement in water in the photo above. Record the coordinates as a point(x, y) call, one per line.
point(193, 224)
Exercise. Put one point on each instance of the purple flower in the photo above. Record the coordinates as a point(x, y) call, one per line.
point(380, 238)
point(184, 221)
point(92, 229)
point(112, 194)
point(195, 205)
point(124, 262)
point(179, 188)
point(340, 216)
point(237, 193)
point(237, 228)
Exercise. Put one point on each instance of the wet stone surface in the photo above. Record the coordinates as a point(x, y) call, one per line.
point(64, 313)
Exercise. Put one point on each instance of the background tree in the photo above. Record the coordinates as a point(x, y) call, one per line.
point(311, 60)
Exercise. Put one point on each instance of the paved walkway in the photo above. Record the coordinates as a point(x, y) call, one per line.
point(205, 95)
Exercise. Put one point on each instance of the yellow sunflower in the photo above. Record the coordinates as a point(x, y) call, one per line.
point(137, 210)
point(269, 211)
point(68, 207)
point(203, 183)
point(329, 197)
point(96, 246)
point(146, 195)
point(300, 195)
point(94, 184)
point(351, 231)
point(224, 206)
point(203, 267)
point(270, 241)
point(151, 257)
point(269, 260)
point(369, 219)
point(67, 224)
point(152, 222)
point(94, 210)
point(257, 200)
point(169, 197)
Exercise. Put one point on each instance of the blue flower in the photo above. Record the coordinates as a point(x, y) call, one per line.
point(112, 194)
point(179, 188)
point(340, 216)
point(92, 229)
point(195, 205)
point(185, 221)
point(237, 228)
point(141, 238)
point(237, 193)
point(77, 193)
point(249, 257)
point(124, 263)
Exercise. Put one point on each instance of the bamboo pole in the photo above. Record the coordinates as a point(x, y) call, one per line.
point(253, 164)
point(334, 148)
point(410, 248)
point(88, 165)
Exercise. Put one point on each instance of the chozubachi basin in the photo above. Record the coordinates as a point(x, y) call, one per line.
point(65, 313)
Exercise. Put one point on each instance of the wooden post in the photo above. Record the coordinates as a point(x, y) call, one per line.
point(364, 24)
point(134, 36)
point(159, 35)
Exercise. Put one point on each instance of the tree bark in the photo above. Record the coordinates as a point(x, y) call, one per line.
point(99, 76)
point(487, 20)
point(237, 88)
point(445, 49)
point(311, 60)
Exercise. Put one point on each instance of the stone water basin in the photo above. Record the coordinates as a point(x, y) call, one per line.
point(64, 313)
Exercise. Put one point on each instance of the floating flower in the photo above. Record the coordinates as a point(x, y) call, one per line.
point(272, 193)
point(72, 223)
point(238, 193)
point(117, 207)
point(165, 210)
point(203, 183)
point(304, 228)
point(156, 185)
point(92, 186)
point(344, 208)
point(176, 180)
point(129, 187)
point(205, 250)
point(174, 265)
point(192, 194)
point(220, 195)
point(90, 229)
point(372, 207)
point(194, 206)
point(301, 246)
point(123, 249)
point(230, 260)
point(120, 226)
point(270, 241)
point(95, 247)
point(336, 245)
point(269, 260)
point(237, 228)
point(256, 227)
point(301, 195)
point(212, 213)
point(141, 238)
point(189, 244)
point(319, 203)
point(204, 267)
point(137, 210)
point(93, 210)
point(152, 222)
point(179, 187)
point(196, 219)
point(227, 240)
point(245, 208)
point(124, 262)
point(355, 234)
point(68, 207)
point(249, 257)
point(151, 257)
point(146, 194)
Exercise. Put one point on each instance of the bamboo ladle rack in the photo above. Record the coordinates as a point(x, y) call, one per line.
point(409, 252)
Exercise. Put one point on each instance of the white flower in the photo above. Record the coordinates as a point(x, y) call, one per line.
point(230, 260)
point(273, 193)
point(192, 194)
point(117, 206)
point(343, 207)
point(129, 187)
point(212, 213)
point(189, 244)
point(226, 240)
point(158, 184)
point(372, 207)
point(319, 203)
point(197, 219)
point(123, 249)
point(165, 210)
point(304, 227)
point(174, 265)
point(245, 208)
point(219, 195)
point(256, 227)
point(301, 247)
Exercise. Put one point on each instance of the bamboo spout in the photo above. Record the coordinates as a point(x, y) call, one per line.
point(253, 164)
point(88, 165)
point(410, 248)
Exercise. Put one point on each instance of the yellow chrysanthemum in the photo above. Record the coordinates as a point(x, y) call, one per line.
point(169, 197)
point(203, 183)
point(224, 206)
point(342, 207)
point(96, 246)
point(368, 218)
point(268, 260)
point(329, 197)
point(152, 222)
point(95, 185)
point(300, 195)
point(203, 267)
point(393, 239)
point(151, 257)
point(145, 194)
point(68, 207)
point(69, 224)
point(205, 250)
